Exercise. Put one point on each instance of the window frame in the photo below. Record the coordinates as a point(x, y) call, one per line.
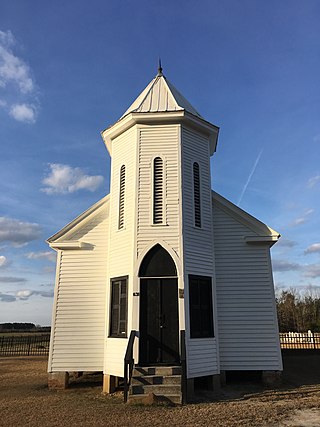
point(163, 188)
point(197, 211)
point(122, 196)
point(118, 333)
point(204, 308)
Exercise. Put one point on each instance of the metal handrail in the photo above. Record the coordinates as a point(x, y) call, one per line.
point(128, 365)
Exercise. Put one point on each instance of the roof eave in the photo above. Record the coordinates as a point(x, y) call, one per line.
point(266, 233)
point(178, 116)
point(71, 225)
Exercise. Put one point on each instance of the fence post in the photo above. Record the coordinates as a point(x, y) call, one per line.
point(29, 344)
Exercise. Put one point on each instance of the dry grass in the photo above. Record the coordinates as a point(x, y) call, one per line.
point(26, 401)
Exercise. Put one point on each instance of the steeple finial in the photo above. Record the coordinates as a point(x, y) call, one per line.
point(159, 68)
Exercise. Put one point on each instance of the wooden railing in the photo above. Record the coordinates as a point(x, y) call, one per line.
point(128, 365)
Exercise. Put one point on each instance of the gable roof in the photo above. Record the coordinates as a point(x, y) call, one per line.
point(60, 238)
point(262, 232)
point(159, 96)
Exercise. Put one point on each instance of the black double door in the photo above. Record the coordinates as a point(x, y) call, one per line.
point(159, 321)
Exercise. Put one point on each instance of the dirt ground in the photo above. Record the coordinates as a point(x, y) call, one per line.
point(26, 401)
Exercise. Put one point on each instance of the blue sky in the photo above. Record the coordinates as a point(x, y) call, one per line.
point(68, 69)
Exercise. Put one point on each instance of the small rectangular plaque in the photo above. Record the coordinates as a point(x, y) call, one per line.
point(181, 293)
point(136, 294)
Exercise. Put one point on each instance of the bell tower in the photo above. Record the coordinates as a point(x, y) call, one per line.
point(161, 216)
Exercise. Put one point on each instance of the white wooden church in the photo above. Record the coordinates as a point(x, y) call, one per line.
point(166, 257)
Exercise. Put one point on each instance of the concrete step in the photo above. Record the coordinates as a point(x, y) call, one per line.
point(156, 379)
point(157, 389)
point(156, 370)
point(152, 398)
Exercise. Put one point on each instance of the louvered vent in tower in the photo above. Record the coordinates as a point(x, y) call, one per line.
point(196, 195)
point(121, 196)
point(157, 191)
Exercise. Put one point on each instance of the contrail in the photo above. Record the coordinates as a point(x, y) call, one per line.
point(249, 177)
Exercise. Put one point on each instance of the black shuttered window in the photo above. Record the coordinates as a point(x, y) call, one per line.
point(119, 303)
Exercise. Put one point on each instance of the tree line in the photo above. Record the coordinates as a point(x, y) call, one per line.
point(298, 312)
point(22, 327)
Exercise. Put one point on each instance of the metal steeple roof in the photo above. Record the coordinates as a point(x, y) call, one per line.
point(160, 102)
point(160, 96)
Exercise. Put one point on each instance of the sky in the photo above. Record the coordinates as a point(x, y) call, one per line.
point(69, 69)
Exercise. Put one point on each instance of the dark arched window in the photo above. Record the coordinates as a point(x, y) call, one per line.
point(157, 263)
point(121, 196)
point(196, 195)
point(158, 190)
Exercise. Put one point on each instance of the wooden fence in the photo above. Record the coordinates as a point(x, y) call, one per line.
point(28, 345)
point(300, 340)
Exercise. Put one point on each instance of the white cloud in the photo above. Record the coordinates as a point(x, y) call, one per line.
point(6, 38)
point(64, 179)
point(312, 270)
point(284, 265)
point(286, 243)
point(3, 261)
point(49, 255)
point(8, 279)
point(13, 69)
point(16, 82)
point(313, 181)
point(302, 219)
point(315, 247)
point(7, 297)
point(18, 233)
point(23, 113)
point(24, 295)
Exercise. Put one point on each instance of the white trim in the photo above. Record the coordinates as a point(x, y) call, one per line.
point(168, 248)
point(124, 197)
point(71, 245)
point(271, 240)
point(244, 217)
point(274, 308)
point(164, 190)
point(175, 117)
point(54, 309)
point(200, 195)
point(78, 220)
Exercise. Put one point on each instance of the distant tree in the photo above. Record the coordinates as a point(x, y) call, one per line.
point(17, 326)
point(298, 312)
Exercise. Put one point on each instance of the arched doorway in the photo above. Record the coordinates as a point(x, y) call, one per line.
point(159, 318)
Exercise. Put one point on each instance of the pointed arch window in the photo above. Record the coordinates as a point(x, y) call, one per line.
point(122, 196)
point(196, 195)
point(158, 191)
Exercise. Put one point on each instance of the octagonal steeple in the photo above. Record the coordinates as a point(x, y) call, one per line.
point(159, 103)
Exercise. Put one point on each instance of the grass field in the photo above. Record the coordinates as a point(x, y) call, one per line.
point(25, 401)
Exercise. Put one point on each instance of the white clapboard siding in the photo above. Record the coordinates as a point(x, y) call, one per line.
point(79, 317)
point(122, 241)
point(198, 242)
point(120, 258)
point(248, 334)
point(114, 358)
point(158, 141)
point(202, 358)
